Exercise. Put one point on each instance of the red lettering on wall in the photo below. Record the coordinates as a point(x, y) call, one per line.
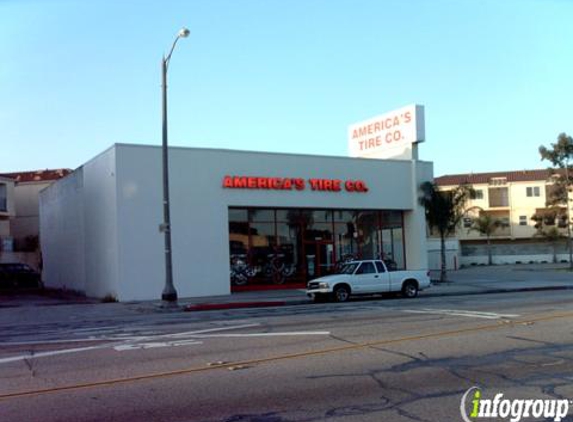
point(262, 182)
point(356, 186)
point(240, 182)
point(299, 184)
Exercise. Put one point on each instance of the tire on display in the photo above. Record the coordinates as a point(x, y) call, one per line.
point(410, 289)
point(341, 293)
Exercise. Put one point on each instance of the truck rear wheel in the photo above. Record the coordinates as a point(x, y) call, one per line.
point(410, 289)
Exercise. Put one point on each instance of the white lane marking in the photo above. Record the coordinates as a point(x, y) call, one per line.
point(459, 312)
point(124, 337)
point(81, 330)
point(201, 334)
point(50, 353)
point(129, 343)
point(187, 338)
point(208, 330)
point(293, 333)
point(36, 342)
point(153, 345)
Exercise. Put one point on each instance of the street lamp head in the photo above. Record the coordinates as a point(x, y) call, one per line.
point(183, 33)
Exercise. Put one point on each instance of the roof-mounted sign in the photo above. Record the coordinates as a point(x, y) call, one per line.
point(388, 136)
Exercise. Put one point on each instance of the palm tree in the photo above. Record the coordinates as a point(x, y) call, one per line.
point(545, 221)
point(486, 225)
point(552, 235)
point(444, 210)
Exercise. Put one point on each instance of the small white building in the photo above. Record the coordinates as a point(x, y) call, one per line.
point(239, 220)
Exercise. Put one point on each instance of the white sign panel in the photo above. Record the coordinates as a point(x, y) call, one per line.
point(390, 135)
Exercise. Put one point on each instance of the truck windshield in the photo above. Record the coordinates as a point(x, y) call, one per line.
point(348, 268)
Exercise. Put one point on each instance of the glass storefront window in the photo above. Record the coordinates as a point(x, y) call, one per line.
point(322, 216)
point(262, 215)
point(367, 226)
point(236, 214)
point(344, 216)
point(346, 244)
point(288, 246)
point(289, 216)
point(318, 232)
point(391, 219)
point(393, 247)
point(398, 241)
point(270, 246)
point(263, 236)
point(240, 271)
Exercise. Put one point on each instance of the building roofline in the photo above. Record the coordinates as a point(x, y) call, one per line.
point(239, 151)
point(484, 178)
point(36, 176)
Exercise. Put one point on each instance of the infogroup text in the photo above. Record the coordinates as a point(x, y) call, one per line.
point(513, 410)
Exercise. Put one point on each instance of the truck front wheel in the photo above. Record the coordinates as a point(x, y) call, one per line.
point(341, 293)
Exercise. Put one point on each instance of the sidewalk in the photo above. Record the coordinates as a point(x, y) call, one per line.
point(468, 281)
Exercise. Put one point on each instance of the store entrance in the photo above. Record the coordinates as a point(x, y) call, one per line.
point(319, 258)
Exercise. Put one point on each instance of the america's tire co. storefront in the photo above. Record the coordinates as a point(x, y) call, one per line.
point(240, 220)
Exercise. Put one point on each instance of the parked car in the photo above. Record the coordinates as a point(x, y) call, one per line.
point(367, 277)
point(17, 275)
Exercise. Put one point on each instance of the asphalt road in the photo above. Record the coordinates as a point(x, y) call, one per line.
point(369, 360)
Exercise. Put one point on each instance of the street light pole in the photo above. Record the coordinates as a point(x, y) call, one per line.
point(169, 293)
point(568, 213)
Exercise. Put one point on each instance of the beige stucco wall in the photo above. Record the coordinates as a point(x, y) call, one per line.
point(26, 221)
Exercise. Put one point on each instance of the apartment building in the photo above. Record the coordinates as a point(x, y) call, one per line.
point(20, 213)
point(512, 197)
point(6, 209)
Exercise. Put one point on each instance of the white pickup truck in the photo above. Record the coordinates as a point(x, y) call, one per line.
point(367, 277)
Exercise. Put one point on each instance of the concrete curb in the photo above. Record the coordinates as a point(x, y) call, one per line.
point(495, 291)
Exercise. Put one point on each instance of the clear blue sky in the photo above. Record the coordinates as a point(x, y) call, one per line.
point(495, 77)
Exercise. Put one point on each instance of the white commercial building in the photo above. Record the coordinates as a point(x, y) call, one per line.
point(239, 220)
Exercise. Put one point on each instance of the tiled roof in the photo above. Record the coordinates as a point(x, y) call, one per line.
point(38, 175)
point(477, 178)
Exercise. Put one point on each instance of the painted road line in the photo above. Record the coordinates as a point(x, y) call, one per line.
point(209, 330)
point(460, 312)
point(36, 355)
point(191, 337)
point(127, 343)
point(39, 342)
point(154, 345)
point(292, 333)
